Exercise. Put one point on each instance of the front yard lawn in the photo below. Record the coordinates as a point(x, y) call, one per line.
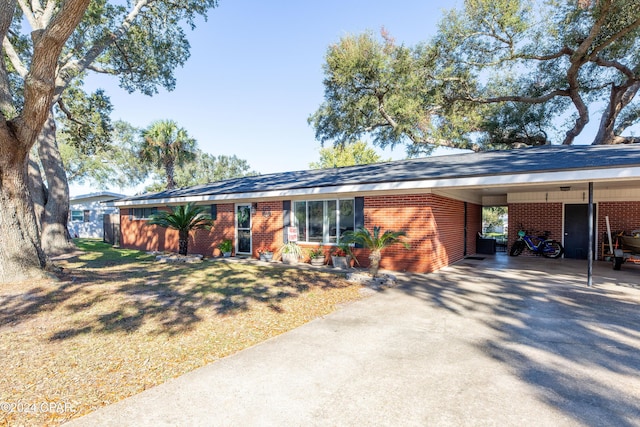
point(116, 323)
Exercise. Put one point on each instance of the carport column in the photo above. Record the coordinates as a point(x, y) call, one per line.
point(591, 237)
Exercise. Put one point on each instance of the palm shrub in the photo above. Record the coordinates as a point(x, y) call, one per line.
point(375, 242)
point(183, 218)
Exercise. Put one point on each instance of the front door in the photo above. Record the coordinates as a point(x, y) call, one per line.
point(243, 229)
point(576, 230)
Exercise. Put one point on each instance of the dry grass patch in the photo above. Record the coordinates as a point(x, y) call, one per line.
point(117, 323)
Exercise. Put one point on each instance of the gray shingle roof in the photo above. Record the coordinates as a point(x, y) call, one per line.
point(527, 160)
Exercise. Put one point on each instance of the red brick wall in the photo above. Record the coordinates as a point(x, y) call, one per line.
point(267, 231)
point(267, 227)
point(434, 227)
point(138, 234)
point(623, 216)
point(474, 226)
point(535, 218)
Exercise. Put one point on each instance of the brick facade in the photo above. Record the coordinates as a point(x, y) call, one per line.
point(535, 218)
point(434, 227)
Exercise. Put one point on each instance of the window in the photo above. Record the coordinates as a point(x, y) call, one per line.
point(323, 221)
point(142, 213)
point(77, 215)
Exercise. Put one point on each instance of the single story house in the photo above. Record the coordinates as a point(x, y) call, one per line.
point(87, 213)
point(437, 201)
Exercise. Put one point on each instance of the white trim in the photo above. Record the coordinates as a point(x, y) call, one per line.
point(512, 180)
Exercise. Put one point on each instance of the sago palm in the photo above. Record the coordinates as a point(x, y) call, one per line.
point(184, 219)
point(375, 242)
point(165, 146)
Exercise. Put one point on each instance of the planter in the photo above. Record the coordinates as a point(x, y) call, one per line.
point(317, 261)
point(290, 258)
point(226, 254)
point(266, 256)
point(341, 262)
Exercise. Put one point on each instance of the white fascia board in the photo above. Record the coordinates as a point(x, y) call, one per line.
point(419, 185)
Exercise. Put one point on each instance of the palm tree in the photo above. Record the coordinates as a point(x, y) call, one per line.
point(184, 219)
point(165, 146)
point(375, 243)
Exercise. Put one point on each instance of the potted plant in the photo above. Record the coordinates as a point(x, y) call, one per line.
point(375, 242)
point(265, 254)
point(226, 247)
point(291, 253)
point(341, 256)
point(317, 256)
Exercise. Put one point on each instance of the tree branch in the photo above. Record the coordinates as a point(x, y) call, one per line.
point(524, 99)
point(101, 70)
point(29, 15)
point(100, 46)
point(617, 65)
point(7, 109)
point(40, 81)
point(14, 58)
point(626, 30)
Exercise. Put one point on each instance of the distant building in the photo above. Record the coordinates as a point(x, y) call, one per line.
point(87, 213)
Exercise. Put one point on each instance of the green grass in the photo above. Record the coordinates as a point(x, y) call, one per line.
point(98, 251)
point(117, 322)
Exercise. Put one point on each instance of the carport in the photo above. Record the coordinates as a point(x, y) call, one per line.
point(569, 191)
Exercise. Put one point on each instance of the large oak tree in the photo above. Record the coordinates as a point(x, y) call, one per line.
point(21, 255)
point(141, 42)
point(498, 74)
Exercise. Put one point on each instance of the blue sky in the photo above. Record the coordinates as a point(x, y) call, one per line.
point(255, 75)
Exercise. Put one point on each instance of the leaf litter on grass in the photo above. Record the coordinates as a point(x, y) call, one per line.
point(115, 324)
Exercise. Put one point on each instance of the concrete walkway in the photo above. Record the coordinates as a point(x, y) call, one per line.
point(481, 343)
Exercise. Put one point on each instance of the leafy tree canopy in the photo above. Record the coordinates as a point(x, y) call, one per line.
point(541, 63)
point(389, 92)
point(358, 153)
point(205, 168)
point(113, 164)
point(498, 74)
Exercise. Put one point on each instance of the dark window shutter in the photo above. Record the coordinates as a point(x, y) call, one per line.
point(359, 212)
point(286, 218)
point(214, 212)
point(358, 207)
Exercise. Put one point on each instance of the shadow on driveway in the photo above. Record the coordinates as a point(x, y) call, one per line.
point(579, 347)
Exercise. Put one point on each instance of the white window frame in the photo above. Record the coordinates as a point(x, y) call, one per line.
point(77, 216)
point(325, 219)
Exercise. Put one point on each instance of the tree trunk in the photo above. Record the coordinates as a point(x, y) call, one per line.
point(183, 242)
point(37, 189)
point(374, 262)
point(620, 97)
point(55, 234)
point(169, 168)
point(20, 255)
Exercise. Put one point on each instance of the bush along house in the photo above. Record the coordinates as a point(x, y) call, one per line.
point(436, 201)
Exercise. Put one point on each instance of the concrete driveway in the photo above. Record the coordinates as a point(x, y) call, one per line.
point(500, 341)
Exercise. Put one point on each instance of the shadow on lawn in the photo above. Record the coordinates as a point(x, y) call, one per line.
point(164, 298)
point(579, 347)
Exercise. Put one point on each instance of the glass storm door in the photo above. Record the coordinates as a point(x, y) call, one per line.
point(243, 229)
